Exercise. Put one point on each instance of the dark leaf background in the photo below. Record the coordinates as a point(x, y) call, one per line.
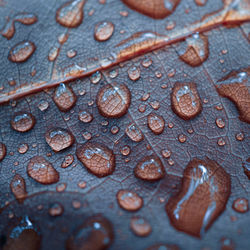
point(99, 195)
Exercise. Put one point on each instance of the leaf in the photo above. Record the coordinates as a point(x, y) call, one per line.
point(154, 54)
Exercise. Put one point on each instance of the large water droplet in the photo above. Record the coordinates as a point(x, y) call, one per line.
point(22, 51)
point(236, 87)
point(157, 9)
point(103, 31)
point(18, 187)
point(197, 50)
point(113, 100)
point(59, 139)
point(129, 200)
point(156, 123)
point(2, 151)
point(185, 100)
point(42, 171)
point(70, 14)
point(94, 234)
point(23, 122)
point(64, 97)
point(134, 133)
point(150, 168)
point(140, 226)
point(202, 198)
point(97, 158)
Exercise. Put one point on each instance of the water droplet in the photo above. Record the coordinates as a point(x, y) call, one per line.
point(197, 50)
point(22, 51)
point(56, 209)
point(158, 74)
point(227, 244)
point(157, 9)
point(146, 62)
point(149, 168)
point(76, 204)
point(64, 97)
point(134, 133)
point(240, 136)
point(140, 226)
point(155, 105)
point(125, 150)
point(8, 30)
point(82, 184)
point(97, 158)
point(113, 100)
point(71, 53)
point(23, 122)
point(170, 25)
point(43, 105)
point(145, 97)
point(113, 73)
point(103, 31)
point(134, 73)
point(188, 210)
point(164, 247)
point(96, 77)
point(70, 14)
point(11, 82)
point(18, 187)
point(42, 171)
point(185, 100)
point(235, 87)
point(95, 233)
point(68, 160)
point(23, 236)
point(61, 187)
point(53, 53)
point(85, 116)
point(2, 151)
point(201, 2)
point(114, 129)
point(129, 200)
point(62, 38)
point(182, 138)
point(221, 142)
point(220, 123)
point(142, 108)
point(166, 153)
point(240, 205)
point(171, 73)
point(59, 139)
point(156, 123)
point(87, 135)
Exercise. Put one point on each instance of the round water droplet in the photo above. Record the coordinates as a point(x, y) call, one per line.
point(197, 50)
point(185, 100)
point(140, 226)
point(134, 133)
point(64, 97)
point(149, 168)
point(221, 142)
point(96, 77)
point(129, 200)
point(22, 51)
point(113, 100)
point(157, 9)
point(125, 150)
point(240, 205)
point(18, 187)
point(188, 210)
point(23, 122)
point(134, 73)
point(56, 209)
point(240, 136)
point(103, 31)
point(95, 233)
point(82, 184)
point(71, 53)
point(114, 129)
point(220, 123)
point(97, 158)
point(70, 14)
point(61, 187)
point(2, 151)
point(155, 105)
point(156, 123)
point(43, 105)
point(76, 204)
point(166, 153)
point(42, 171)
point(182, 138)
point(146, 62)
point(85, 116)
point(68, 160)
point(59, 139)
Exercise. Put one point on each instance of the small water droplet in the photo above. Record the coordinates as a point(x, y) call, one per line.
point(23, 122)
point(240, 136)
point(220, 123)
point(68, 160)
point(129, 200)
point(155, 105)
point(56, 209)
point(71, 53)
point(164, 247)
point(23, 148)
point(2, 151)
point(18, 188)
point(140, 226)
point(114, 129)
point(61, 187)
point(87, 135)
point(125, 150)
point(170, 25)
point(53, 53)
point(103, 31)
point(221, 142)
point(166, 153)
point(62, 38)
point(82, 184)
point(156, 123)
point(146, 62)
point(96, 77)
point(182, 138)
point(85, 116)
point(240, 205)
point(43, 105)
point(134, 133)
point(134, 73)
point(200, 2)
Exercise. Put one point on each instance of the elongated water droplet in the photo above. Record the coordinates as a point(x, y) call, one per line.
point(140, 226)
point(53, 53)
point(18, 187)
point(23, 122)
point(103, 31)
point(185, 100)
point(22, 51)
point(68, 160)
point(157, 9)
point(70, 14)
point(129, 200)
point(113, 100)
point(149, 168)
point(188, 211)
point(97, 158)
point(2, 151)
point(42, 171)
